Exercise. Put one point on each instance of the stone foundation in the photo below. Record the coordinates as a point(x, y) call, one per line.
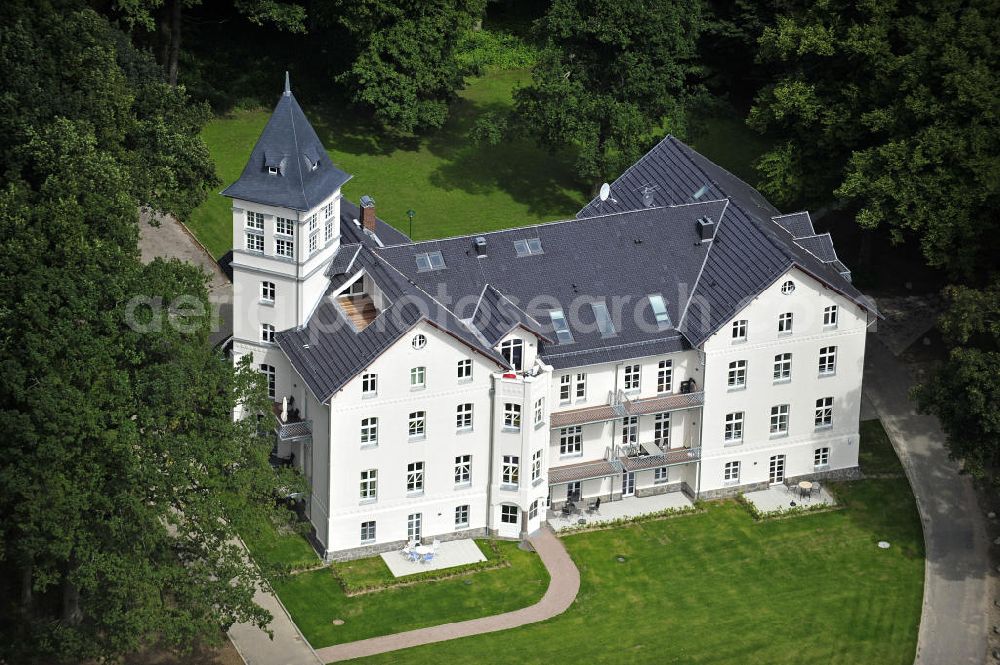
point(833, 475)
point(654, 490)
point(731, 491)
point(850, 473)
point(396, 545)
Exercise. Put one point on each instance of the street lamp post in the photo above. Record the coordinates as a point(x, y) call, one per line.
point(410, 213)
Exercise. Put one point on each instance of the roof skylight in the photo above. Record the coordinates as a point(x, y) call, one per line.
point(429, 261)
point(659, 310)
point(528, 246)
point(603, 319)
point(563, 334)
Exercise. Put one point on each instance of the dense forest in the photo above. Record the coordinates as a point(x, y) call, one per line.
point(124, 475)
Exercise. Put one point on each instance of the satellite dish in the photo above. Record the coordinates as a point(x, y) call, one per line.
point(605, 191)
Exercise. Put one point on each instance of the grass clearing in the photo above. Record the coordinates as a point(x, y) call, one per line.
point(277, 547)
point(315, 599)
point(877, 456)
point(718, 588)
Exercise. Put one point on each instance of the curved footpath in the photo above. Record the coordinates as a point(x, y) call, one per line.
point(953, 623)
point(564, 584)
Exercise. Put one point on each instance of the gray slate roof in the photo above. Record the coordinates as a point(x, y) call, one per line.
point(289, 143)
point(495, 316)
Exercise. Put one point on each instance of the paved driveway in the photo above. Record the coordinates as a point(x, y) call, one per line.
point(171, 240)
point(953, 625)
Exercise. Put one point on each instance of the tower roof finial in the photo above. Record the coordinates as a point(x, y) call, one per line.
point(288, 84)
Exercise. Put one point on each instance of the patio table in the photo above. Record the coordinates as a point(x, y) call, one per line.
point(805, 487)
point(423, 549)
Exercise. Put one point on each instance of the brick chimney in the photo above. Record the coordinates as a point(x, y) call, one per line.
point(368, 213)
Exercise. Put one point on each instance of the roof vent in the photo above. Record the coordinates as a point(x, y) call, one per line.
point(706, 228)
point(647, 196)
point(480, 244)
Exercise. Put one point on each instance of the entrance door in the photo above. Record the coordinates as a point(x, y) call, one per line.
point(414, 527)
point(628, 483)
point(777, 472)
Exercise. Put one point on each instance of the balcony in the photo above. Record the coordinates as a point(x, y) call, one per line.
point(640, 456)
point(619, 406)
point(293, 427)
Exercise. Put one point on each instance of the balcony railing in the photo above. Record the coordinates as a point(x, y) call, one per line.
point(620, 406)
point(293, 427)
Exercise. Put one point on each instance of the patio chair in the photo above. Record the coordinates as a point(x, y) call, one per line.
point(567, 508)
point(414, 556)
point(815, 490)
point(428, 558)
point(594, 506)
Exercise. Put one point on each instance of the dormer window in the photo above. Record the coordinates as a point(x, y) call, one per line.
point(272, 170)
point(311, 155)
point(274, 163)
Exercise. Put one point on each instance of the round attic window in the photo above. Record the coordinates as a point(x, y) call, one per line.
point(788, 287)
point(419, 341)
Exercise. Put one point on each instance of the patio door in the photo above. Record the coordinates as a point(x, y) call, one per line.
point(628, 483)
point(414, 527)
point(777, 471)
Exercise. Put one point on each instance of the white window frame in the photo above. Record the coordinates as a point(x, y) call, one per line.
point(368, 531)
point(533, 510)
point(824, 413)
point(779, 420)
point(733, 432)
point(415, 478)
point(785, 320)
point(369, 485)
point(580, 387)
point(414, 527)
point(508, 516)
point(270, 377)
point(267, 292)
point(731, 472)
point(565, 388)
point(665, 377)
point(828, 361)
point(463, 417)
point(821, 457)
point(782, 367)
point(830, 316)
point(255, 242)
point(512, 417)
point(661, 475)
point(511, 350)
point(661, 430)
point(254, 220)
point(633, 378)
point(462, 516)
point(328, 230)
point(284, 247)
point(267, 333)
point(539, 418)
point(369, 431)
point(536, 465)
point(736, 379)
point(788, 287)
point(463, 470)
point(419, 341)
point(418, 378)
point(464, 370)
point(417, 425)
point(510, 471)
point(369, 384)
point(284, 227)
point(571, 441)
point(740, 330)
point(313, 243)
point(630, 430)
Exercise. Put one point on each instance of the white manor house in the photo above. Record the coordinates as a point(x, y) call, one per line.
point(680, 335)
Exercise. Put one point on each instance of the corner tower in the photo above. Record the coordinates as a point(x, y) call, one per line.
point(286, 227)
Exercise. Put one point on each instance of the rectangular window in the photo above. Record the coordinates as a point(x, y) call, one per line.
point(785, 323)
point(830, 316)
point(574, 490)
point(539, 411)
point(267, 333)
point(661, 430)
point(328, 210)
point(779, 419)
point(285, 227)
point(269, 373)
point(511, 471)
point(465, 370)
point(508, 514)
point(313, 242)
point(559, 325)
point(581, 386)
point(665, 377)
point(369, 485)
point(284, 247)
point(463, 416)
point(312, 222)
point(659, 311)
point(418, 420)
point(512, 351)
point(603, 319)
point(536, 465)
point(571, 440)
point(267, 291)
point(565, 388)
point(821, 457)
point(737, 377)
point(731, 472)
point(414, 527)
point(527, 247)
point(632, 377)
point(462, 517)
point(740, 330)
point(418, 377)
point(512, 416)
point(824, 412)
point(356, 288)
point(533, 510)
point(369, 431)
point(255, 220)
point(734, 426)
point(368, 532)
point(369, 385)
point(415, 477)
point(828, 360)
point(660, 475)
point(783, 367)
point(463, 469)
point(430, 261)
point(328, 231)
point(255, 242)
point(630, 430)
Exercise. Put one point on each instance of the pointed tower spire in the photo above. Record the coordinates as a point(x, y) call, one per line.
point(288, 84)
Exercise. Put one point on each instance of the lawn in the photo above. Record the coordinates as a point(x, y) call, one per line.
point(277, 547)
point(877, 456)
point(315, 599)
point(717, 587)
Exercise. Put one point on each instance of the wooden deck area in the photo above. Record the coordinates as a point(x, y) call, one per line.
point(359, 309)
